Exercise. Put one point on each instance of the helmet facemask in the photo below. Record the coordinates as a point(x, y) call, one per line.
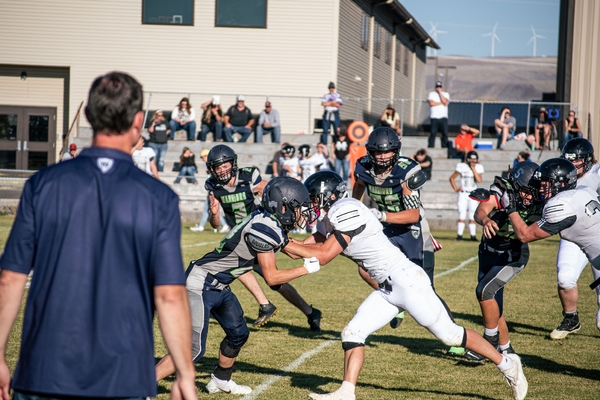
point(381, 165)
point(223, 176)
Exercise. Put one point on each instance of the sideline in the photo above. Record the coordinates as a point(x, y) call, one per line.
point(300, 360)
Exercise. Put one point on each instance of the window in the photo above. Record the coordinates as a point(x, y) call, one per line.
point(364, 37)
point(405, 60)
point(173, 12)
point(377, 40)
point(241, 13)
point(388, 48)
point(399, 50)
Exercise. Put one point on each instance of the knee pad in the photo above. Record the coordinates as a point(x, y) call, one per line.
point(228, 350)
point(350, 345)
point(275, 287)
point(350, 336)
point(454, 337)
point(567, 278)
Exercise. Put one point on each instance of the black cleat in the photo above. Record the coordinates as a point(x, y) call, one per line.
point(570, 324)
point(314, 320)
point(478, 358)
point(474, 239)
point(265, 313)
point(458, 237)
point(397, 321)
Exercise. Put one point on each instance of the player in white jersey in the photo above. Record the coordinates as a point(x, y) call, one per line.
point(571, 261)
point(470, 175)
point(347, 226)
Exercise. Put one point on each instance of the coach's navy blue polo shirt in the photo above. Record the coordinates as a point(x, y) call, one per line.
point(100, 234)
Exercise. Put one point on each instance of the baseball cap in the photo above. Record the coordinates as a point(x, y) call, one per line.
point(390, 106)
point(204, 153)
point(438, 84)
point(268, 104)
point(72, 146)
point(542, 109)
point(331, 85)
point(240, 97)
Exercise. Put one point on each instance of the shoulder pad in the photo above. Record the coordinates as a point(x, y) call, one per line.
point(417, 180)
point(364, 161)
point(557, 209)
point(346, 216)
point(209, 184)
point(245, 174)
point(258, 243)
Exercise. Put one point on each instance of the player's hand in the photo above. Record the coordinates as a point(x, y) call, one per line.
point(214, 205)
point(183, 390)
point(490, 227)
point(508, 201)
point(4, 381)
point(381, 216)
point(312, 264)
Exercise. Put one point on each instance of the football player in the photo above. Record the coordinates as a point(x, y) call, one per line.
point(239, 192)
point(255, 239)
point(501, 255)
point(470, 175)
point(347, 226)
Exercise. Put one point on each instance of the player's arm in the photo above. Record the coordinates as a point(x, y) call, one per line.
point(411, 213)
point(324, 251)
point(365, 276)
point(153, 168)
point(312, 239)
point(274, 276)
point(526, 233)
point(476, 174)
point(358, 189)
point(482, 217)
point(455, 175)
point(214, 209)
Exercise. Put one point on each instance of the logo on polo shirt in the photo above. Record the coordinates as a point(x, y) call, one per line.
point(105, 164)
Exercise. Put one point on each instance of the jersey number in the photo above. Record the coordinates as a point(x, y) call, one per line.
point(592, 206)
point(239, 211)
point(389, 203)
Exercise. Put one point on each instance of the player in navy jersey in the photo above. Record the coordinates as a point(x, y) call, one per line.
point(238, 191)
point(255, 239)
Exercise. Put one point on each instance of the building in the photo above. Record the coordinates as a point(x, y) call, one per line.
point(287, 51)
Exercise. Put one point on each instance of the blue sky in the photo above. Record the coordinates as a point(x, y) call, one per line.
point(465, 21)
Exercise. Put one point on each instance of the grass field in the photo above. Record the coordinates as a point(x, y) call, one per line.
point(407, 363)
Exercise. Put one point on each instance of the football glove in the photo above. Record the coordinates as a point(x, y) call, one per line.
point(312, 264)
point(378, 214)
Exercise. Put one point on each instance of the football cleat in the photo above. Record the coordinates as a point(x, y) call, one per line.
point(265, 313)
point(314, 320)
point(218, 386)
point(515, 377)
point(570, 324)
point(397, 320)
point(337, 395)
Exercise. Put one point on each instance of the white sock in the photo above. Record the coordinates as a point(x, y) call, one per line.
point(505, 364)
point(461, 228)
point(347, 387)
point(505, 346)
point(472, 229)
point(490, 332)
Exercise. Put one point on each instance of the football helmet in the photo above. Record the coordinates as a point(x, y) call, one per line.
point(288, 151)
point(520, 177)
point(579, 149)
point(218, 155)
point(472, 155)
point(304, 150)
point(383, 139)
point(288, 200)
point(321, 185)
point(554, 176)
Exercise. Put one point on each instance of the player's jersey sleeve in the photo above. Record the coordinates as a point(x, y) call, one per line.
point(255, 178)
point(460, 168)
point(557, 215)
point(264, 236)
point(209, 185)
point(479, 168)
point(347, 217)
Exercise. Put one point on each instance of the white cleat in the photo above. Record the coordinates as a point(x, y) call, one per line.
point(218, 386)
point(337, 395)
point(515, 377)
point(197, 228)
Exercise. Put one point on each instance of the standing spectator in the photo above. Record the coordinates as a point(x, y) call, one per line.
point(144, 158)
point(391, 119)
point(187, 166)
point(199, 227)
point(71, 154)
point(100, 269)
point(424, 161)
point(332, 103)
point(238, 119)
point(463, 142)
point(505, 127)
point(183, 117)
point(340, 148)
point(470, 175)
point(268, 122)
point(212, 120)
point(543, 125)
point(159, 131)
point(572, 127)
point(438, 114)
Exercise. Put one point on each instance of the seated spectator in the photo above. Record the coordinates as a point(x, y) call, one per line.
point(71, 154)
point(572, 127)
point(505, 127)
point(144, 157)
point(522, 156)
point(340, 148)
point(159, 134)
point(183, 117)
point(268, 122)
point(238, 119)
point(463, 143)
point(187, 166)
point(212, 120)
point(424, 161)
point(542, 130)
point(290, 165)
point(391, 119)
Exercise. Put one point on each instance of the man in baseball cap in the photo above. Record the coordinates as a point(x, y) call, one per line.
point(268, 122)
point(71, 154)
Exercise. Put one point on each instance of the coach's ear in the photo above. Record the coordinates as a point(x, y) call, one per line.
point(480, 195)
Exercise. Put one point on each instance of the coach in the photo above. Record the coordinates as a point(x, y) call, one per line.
point(103, 239)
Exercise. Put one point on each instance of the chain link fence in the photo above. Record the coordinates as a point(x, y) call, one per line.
point(11, 183)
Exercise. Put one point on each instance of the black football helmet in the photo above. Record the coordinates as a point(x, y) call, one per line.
point(288, 151)
point(218, 155)
point(579, 149)
point(554, 176)
point(471, 155)
point(282, 197)
point(321, 185)
point(304, 150)
point(520, 177)
point(383, 139)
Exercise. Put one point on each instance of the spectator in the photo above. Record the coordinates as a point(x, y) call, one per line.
point(205, 214)
point(275, 162)
point(470, 175)
point(212, 120)
point(424, 161)
point(183, 117)
point(505, 127)
point(187, 166)
point(268, 122)
point(463, 142)
point(144, 158)
point(543, 125)
point(332, 103)
point(101, 269)
point(340, 148)
point(290, 165)
point(391, 119)
point(159, 131)
point(438, 114)
point(71, 154)
point(238, 119)
point(572, 127)
point(522, 157)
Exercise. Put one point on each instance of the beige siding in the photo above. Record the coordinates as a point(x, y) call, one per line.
point(36, 92)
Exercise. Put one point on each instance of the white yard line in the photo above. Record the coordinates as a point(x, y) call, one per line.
point(271, 380)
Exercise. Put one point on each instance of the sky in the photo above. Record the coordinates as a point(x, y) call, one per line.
point(465, 21)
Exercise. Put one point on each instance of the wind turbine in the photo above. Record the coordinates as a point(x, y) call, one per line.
point(494, 37)
point(534, 39)
point(434, 32)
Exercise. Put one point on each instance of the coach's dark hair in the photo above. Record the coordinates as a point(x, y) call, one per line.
point(113, 102)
